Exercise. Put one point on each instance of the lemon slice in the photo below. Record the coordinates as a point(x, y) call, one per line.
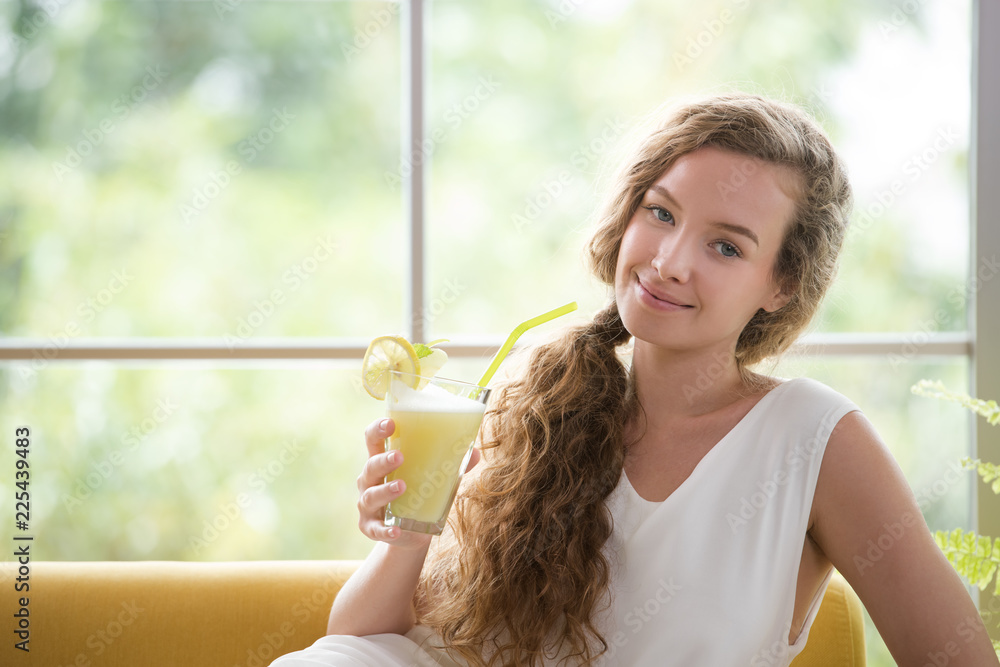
point(430, 365)
point(384, 354)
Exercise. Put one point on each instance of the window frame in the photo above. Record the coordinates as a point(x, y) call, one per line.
point(984, 315)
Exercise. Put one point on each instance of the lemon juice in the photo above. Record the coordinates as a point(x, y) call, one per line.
point(436, 427)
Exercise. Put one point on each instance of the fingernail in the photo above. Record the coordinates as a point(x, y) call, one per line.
point(393, 457)
point(394, 487)
point(383, 425)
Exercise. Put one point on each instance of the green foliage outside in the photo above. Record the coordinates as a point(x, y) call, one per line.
point(975, 557)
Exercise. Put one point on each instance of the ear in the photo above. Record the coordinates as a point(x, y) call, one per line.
point(779, 299)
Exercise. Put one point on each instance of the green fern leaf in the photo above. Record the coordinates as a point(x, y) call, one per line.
point(955, 539)
point(984, 547)
point(974, 557)
point(986, 571)
point(987, 409)
point(941, 539)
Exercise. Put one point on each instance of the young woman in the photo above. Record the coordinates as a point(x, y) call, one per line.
point(672, 507)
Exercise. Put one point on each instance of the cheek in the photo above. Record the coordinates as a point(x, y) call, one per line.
point(624, 257)
point(621, 266)
point(630, 249)
point(624, 267)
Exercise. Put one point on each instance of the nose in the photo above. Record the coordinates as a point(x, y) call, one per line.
point(674, 258)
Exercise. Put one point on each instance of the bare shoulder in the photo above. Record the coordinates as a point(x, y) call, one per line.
point(855, 451)
point(861, 493)
point(866, 520)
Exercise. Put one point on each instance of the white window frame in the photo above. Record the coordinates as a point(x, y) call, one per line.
point(984, 313)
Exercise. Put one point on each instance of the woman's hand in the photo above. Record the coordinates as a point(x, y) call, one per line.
point(378, 597)
point(375, 494)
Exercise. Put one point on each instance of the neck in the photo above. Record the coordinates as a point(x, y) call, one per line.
point(673, 385)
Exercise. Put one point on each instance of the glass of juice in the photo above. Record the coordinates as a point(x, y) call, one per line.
point(436, 426)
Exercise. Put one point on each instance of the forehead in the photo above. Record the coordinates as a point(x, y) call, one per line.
point(724, 186)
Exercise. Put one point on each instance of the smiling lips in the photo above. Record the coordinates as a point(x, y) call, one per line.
point(659, 297)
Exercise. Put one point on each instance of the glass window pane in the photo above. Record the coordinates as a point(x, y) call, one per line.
point(200, 169)
point(196, 431)
point(531, 100)
point(184, 439)
point(906, 261)
point(190, 463)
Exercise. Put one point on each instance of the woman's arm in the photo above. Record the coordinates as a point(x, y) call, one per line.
point(868, 523)
point(379, 596)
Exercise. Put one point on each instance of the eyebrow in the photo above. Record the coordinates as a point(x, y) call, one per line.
point(727, 226)
point(737, 229)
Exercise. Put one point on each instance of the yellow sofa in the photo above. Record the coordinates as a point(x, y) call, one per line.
point(180, 614)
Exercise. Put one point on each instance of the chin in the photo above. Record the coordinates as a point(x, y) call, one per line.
point(642, 327)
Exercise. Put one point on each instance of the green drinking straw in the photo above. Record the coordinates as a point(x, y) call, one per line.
point(516, 333)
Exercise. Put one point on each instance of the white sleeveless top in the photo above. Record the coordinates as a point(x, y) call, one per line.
point(706, 577)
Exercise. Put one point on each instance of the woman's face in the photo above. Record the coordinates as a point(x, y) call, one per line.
point(695, 261)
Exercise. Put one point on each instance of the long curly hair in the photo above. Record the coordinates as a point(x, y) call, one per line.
point(520, 576)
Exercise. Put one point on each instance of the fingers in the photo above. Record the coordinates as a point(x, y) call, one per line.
point(474, 459)
point(380, 462)
point(399, 538)
point(371, 508)
point(385, 533)
point(376, 433)
point(374, 498)
point(373, 492)
point(377, 467)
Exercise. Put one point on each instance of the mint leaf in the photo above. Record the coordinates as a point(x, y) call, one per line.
point(425, 350)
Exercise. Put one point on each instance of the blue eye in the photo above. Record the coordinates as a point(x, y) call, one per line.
point(727, 249)
point(662, 214)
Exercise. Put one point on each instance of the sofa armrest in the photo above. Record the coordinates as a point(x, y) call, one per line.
point(167, 613)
